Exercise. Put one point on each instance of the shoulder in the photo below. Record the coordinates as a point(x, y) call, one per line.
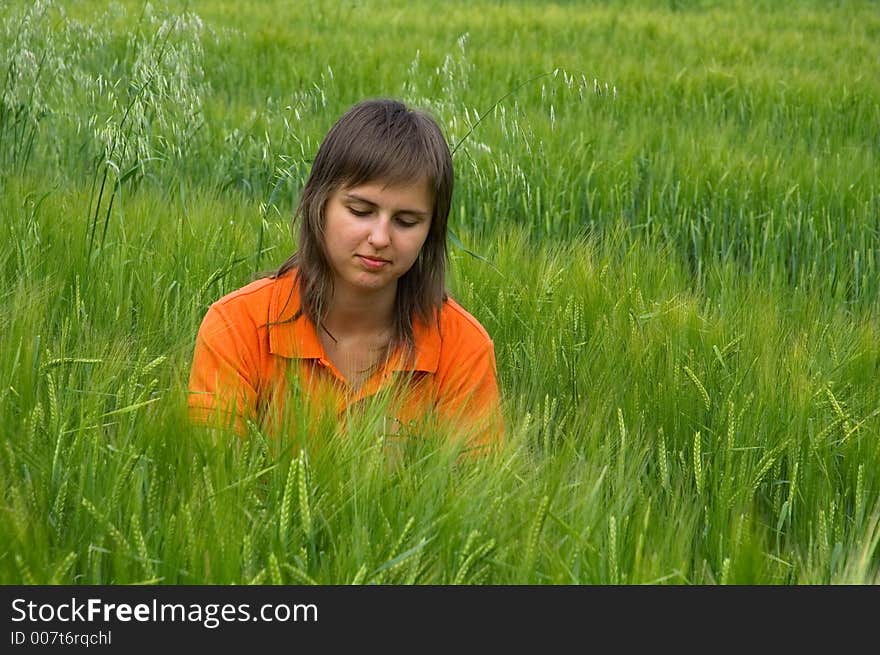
point(258, 301)
point(460, 327)
point(258, 292)
point(245, 309)
point(466, 358)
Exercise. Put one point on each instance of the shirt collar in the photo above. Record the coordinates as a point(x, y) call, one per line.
point(298, 339)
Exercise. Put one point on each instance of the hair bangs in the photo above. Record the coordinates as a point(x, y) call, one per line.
point(397, 150)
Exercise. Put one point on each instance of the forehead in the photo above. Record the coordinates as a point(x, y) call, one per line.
point(415, 195)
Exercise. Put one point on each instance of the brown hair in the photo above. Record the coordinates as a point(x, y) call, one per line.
point(375, 140)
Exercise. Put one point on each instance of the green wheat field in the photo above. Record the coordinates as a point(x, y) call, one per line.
point(667, 216)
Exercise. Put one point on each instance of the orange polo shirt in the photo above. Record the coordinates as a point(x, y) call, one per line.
point(249, 351)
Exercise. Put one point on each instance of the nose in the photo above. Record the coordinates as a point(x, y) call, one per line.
point(380, 234)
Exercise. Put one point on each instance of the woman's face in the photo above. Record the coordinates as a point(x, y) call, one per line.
point(373, 233)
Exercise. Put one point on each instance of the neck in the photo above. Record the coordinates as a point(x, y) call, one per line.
point(356, 312)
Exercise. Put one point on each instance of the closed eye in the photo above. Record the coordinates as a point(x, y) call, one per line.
point(359, 212)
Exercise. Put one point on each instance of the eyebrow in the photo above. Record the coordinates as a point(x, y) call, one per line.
point(413, 212)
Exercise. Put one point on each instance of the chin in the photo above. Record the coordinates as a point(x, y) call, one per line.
point(372, 282)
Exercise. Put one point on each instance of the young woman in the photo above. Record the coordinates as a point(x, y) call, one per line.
point(361, 307)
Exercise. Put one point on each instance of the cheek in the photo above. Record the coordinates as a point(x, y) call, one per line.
point(415, 240)
point(342, 237)
point(418, 245)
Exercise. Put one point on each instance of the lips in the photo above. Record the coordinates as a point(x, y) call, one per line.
point(373, 263)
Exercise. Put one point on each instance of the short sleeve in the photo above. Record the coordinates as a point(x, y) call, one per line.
point(224, 378)
point(468, 400)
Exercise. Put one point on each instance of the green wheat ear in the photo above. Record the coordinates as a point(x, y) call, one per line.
point(699, 385)
point(153, 494)
point(305, 513)
point(286, 501)
point(725, 571)
point(259, 578)
point(58, 508)
point(53, 401)
point(662, 460)
point(404, 535)
point(535, 532)
point(360, 576)
point(118, 537)
point(823, 539)
point(299, 575)
point(59, 575)
point(613, 571)
point(24, 571)
point(793, 488)
point(210, 494)
point(275, 570)
point(34, 425)
point(415, 568)
point(731, 426)
point(860, 494)
point(247, 555)
point(141, 544)
point(844, 417)
point(547, 414)
point(478, 553)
